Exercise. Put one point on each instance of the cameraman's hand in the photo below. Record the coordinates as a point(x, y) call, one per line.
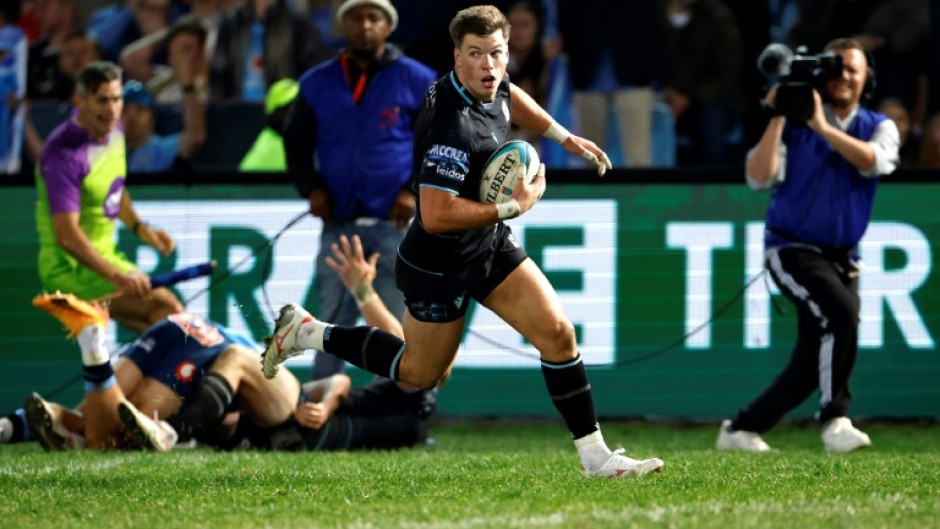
point(818, 121)
point(770, 100)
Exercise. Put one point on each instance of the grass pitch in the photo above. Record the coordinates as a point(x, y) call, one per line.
point(483, 475)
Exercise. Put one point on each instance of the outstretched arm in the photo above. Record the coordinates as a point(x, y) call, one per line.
point(527, 113)
point(357, 273)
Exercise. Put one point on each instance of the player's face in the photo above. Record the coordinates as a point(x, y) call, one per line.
point(367, 28)
point(99, 112)
point(480, 63)
point(845, 91)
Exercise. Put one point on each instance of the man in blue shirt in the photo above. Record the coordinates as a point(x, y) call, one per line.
point(824, 174)
point(355, 114)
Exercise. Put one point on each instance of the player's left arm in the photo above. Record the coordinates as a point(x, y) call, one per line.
point(528, 114)
point(357, 274)
point(872, 158)
point(158, 238)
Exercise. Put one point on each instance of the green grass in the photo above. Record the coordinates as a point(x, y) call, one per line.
point(483, 475)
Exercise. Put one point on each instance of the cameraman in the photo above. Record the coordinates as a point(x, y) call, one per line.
point(824, 173)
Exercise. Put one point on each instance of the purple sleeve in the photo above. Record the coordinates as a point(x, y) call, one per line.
point(63, 172)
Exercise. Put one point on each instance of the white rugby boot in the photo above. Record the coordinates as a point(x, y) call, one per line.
point(283, 344)
point(840, 436)
point(743, 440)
point(621, 466)
point(149, 433)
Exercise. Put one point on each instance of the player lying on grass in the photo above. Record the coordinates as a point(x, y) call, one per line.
point(167, 364)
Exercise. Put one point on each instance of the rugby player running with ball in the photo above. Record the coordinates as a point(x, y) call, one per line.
point(458, 248)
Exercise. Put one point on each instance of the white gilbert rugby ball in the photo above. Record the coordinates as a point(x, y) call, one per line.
point(502, 170)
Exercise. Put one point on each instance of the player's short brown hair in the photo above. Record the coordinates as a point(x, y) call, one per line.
point(478, 20)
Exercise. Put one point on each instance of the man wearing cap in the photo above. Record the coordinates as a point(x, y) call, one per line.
point(80, 193)
point(149, 152)
point(355, 114)
point(267, 152)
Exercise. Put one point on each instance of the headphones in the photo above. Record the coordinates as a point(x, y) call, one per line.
point(868, 91)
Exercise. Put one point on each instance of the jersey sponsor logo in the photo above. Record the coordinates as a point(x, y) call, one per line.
point(112, 203)
point(449, 162)
point(185, 371)
point(145, 344)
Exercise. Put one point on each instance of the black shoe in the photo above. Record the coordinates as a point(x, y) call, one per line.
point(41, 424)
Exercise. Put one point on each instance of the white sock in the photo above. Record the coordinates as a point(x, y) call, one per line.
point(310, 335)
point(6, 430)
point(592, 449)
point(91, 341)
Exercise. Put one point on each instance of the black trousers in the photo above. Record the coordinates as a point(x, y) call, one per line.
point(826, 298)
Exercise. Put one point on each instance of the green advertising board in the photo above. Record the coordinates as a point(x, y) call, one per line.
point(654, 278)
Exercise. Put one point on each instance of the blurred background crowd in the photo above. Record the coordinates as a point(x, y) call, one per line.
point(660, 83)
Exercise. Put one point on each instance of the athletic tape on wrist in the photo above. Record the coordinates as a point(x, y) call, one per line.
point(556, 133)
point(509, 209)
point(364, 294)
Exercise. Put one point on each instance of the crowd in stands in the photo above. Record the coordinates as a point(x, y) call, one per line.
point(658, 83)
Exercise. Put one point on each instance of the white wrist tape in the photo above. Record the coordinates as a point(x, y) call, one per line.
point(364, 294)
point(556, 133)
point(509, 209)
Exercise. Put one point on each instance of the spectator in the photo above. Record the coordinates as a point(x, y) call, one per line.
point(267, 152)
point(527, 66)
point(704, 91)
point(910, 141)
point(57, 22)
point(80, 193)
point(116, 26)
point(29, 20)
point(619, 56)
point(141, 58)
point(821, 21)
point(149, 152)
point(259, 43)
point(78, 50)
point(356, 114)
point(187, 61)
point(930, 147)
point(896, 35)
point(13, 57)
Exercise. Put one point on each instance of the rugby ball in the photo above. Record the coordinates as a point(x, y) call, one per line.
point(501, 170)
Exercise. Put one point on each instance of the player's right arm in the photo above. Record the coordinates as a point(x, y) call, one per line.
point(300, 143)
point(443, 212)
point(444, 170)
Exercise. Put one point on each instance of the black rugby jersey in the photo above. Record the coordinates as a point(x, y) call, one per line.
point(454, 136)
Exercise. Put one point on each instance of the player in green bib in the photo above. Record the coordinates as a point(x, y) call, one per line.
point(80, 195)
